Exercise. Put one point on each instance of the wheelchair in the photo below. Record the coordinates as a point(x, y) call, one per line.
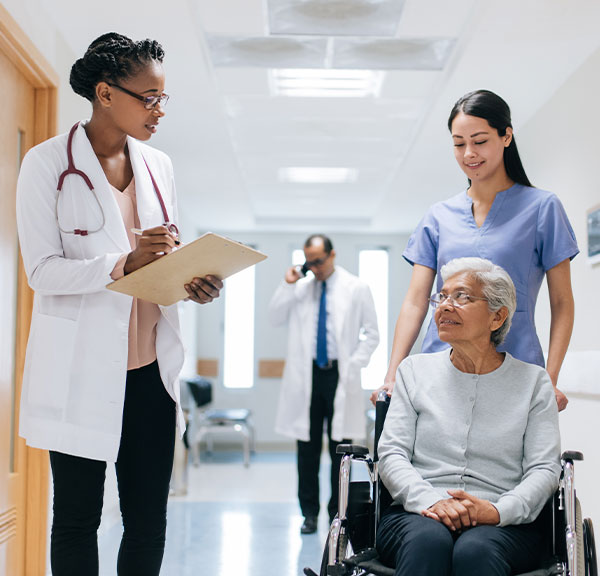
point(350, 549)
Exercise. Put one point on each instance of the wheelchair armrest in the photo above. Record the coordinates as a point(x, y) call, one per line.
point(571, 456)
point(353, 449)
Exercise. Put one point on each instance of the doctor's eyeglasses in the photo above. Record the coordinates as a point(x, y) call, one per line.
point(150, 102)
point(457, 299)
point(317, 262)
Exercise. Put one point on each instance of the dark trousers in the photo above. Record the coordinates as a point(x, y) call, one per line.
point(422, 546)
point(324, 384)
point(143, 470)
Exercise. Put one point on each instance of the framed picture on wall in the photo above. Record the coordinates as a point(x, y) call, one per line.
point(593, 234)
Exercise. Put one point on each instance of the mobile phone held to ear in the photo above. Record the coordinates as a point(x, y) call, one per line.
point(303, 270)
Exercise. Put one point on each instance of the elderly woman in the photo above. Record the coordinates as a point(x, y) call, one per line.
point(470, 451)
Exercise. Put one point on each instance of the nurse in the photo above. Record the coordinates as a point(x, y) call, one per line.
point(502, 218)
point(101, 375)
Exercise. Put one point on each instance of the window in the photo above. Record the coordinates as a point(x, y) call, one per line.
point(298, 257)
point(373, 268)
point(238, 362)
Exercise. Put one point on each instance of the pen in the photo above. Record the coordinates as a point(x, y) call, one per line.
point(139, 232)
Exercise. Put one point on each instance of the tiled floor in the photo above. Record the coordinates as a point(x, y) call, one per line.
point(234, 521)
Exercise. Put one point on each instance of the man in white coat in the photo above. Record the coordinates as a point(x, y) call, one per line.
point(332, 334)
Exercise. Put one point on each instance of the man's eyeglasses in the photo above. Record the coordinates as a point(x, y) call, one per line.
point(316, 262)
point(458, 299)
point(150, 102)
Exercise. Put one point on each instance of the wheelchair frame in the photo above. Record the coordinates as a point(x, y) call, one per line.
point(575, 556)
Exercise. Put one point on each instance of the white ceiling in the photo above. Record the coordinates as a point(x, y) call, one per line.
point(232, 132)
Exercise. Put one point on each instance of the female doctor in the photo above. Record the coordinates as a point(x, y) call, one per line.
point(101, 374)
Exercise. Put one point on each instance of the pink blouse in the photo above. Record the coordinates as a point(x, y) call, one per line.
point(144, 315)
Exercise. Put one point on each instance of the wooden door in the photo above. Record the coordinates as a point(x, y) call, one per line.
point(17, 126)
point(27, 116)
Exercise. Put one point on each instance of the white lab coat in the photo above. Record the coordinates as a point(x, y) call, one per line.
point(353, 313)
point(76, 362)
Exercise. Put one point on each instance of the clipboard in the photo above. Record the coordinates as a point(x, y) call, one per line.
point(161, 281)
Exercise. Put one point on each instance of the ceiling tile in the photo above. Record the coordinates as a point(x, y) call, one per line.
point(392, 53)
point(267, 52)
point(335, 17)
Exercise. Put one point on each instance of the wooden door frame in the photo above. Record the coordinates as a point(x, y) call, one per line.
point(32, 464)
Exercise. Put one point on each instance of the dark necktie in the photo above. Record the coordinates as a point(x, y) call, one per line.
point(322, 359)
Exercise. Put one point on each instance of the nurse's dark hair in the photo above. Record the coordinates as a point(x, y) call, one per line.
point(111, 58)
point(327, 244)
point(489, 106)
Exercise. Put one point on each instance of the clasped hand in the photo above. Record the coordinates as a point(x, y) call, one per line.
point(462, 511)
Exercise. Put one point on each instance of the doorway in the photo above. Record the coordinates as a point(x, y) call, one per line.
point(27, 117)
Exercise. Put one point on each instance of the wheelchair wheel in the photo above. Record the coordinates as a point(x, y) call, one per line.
point(589, 546)
point(580, 539)
point(344, 550)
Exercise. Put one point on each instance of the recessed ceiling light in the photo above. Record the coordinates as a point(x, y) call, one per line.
point(317, 175)
point(326, 83)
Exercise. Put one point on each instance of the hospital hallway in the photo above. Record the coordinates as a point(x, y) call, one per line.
point(234, 521)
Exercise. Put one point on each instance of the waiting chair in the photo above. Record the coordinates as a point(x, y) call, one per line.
point(208, 422)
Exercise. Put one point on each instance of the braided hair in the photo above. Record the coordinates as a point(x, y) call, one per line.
point(110, 58)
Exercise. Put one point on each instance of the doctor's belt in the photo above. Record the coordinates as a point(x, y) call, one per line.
point(331, 365)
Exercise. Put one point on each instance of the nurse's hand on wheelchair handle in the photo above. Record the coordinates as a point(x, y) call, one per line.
point(387, 386)
point(561, 399)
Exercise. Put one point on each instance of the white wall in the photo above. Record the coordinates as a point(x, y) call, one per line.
point(270, 343)
point(561, 152)
point(34, 20)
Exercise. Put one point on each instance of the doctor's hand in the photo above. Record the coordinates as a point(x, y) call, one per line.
point(204, 290)
point(151, 245)
point(292, 275)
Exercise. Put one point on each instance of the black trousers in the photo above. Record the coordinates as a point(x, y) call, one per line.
point(143, 470)
point(324, 384)
point(425, 547)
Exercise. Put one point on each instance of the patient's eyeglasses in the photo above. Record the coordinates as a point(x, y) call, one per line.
point(458, 299)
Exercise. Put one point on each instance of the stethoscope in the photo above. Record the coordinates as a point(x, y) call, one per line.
point(72, 170)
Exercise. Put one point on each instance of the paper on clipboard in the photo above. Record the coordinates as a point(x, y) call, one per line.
point(162, 281)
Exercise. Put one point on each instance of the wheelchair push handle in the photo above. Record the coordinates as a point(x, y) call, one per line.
point(571, 456)
point(381, 408)
point(353, 449)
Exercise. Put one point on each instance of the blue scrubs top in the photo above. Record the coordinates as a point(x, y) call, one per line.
point(526, 231)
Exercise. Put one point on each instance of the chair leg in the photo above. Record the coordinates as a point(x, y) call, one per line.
point(195, 450)
point(246, 440)
point(252, 436)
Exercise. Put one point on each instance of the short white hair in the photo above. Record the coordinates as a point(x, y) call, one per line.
point(496, 285)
